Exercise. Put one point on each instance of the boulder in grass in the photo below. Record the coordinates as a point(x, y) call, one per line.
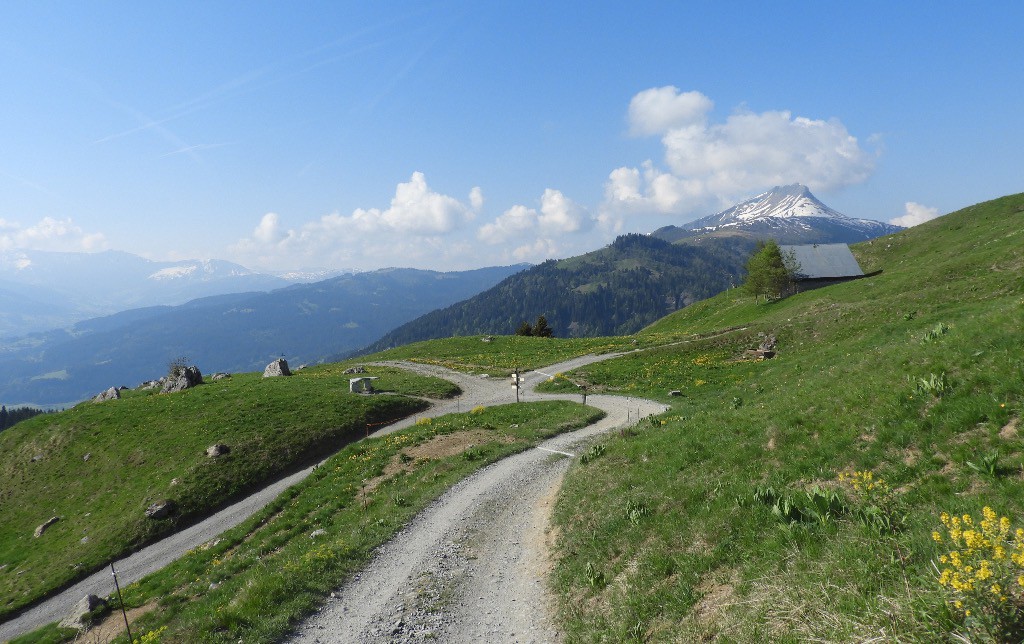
point(161, 509)
point(220, 375)
point(183, 379)
point(218, 450)
point(278, 367)
point(110, 394)
point(78, 618)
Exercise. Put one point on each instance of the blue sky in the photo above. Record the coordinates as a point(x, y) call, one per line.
point(453, 135)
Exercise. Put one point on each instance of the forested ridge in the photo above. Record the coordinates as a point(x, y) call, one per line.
point(616, 290)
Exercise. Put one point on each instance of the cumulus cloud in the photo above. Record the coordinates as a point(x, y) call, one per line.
point(49, 234)
point(716, 164)
point(558, 215)
point(659, 109)
point(915, 214)
point(412, 227)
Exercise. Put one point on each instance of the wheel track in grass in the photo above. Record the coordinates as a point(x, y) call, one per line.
point(541, 481)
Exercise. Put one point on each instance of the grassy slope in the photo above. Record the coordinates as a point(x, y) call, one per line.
point(662, 538)
point(257, 580)
point(138, 445)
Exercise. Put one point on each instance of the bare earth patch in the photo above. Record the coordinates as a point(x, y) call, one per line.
point(112, 625)
point(437, 447)
point(1009, 430)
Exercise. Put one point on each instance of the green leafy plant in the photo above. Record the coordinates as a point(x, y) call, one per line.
point(988, 464)
point(594, 452)
point(935, 333)
point(595, 577)
point(933, 384)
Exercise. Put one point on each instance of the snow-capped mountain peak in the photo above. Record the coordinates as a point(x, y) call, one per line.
point(781, 201)
point(789, 214)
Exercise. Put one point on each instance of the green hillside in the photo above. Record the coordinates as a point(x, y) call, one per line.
point(99, 466)
point(790, 499)
point(745, 514)
point(618, 289)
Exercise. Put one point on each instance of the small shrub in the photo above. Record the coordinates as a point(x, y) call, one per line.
point(176, 367)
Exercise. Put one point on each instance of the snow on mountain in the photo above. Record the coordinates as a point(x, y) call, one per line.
point(788, 214)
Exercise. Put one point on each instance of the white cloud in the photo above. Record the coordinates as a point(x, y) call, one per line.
point(476, 198)
point(49, 234)
point(659, 109)
point(269, 230)
point(558, 215)
point(716, 164)
point(915, 214)
point(515, 222)
point(413, 228)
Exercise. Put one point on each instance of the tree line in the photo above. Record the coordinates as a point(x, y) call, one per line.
point(8, 418)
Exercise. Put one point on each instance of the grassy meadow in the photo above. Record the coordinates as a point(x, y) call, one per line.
point(98, 466)
point(800, 498)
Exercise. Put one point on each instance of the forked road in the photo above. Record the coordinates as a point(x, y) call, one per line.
point(473, 566)
point(483, 539)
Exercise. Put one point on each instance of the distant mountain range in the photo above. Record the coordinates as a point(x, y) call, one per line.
point(787, 214)
point(42, 290)
point(638, 279)
point(234, 332)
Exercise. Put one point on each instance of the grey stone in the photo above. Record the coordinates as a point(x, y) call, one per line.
point(319, 532)
point(78, 617)
point(185, 379)
point(161, 509)
point(675, 392)
point(278, 367)
point(110, 394)
point(218, 450)
point(42, 528)
point(352, 370)
point(220, 375)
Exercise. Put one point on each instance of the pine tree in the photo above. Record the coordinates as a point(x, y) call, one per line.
point(541, 329)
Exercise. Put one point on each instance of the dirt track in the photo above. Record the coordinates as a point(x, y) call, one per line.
point(473, 566)
point(485, 542)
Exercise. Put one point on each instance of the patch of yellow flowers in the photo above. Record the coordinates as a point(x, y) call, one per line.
point(864, 481)
point(983, 571)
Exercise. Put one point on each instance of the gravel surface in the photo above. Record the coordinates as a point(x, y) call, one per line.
point(472, 567)
point(483, 539)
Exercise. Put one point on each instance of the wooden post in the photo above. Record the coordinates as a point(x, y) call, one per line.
point(517, 384)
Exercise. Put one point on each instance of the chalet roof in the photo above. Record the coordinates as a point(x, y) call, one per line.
point(818, 261)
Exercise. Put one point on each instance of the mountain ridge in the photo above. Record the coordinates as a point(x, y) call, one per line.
point(789, 214)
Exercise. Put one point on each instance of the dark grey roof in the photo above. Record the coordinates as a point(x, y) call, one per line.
point(823, 260)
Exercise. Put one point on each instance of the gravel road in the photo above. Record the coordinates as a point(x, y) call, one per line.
point(473, 566)
point(488, 543)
